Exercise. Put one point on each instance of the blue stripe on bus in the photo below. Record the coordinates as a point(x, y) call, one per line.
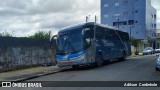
point(71, 55)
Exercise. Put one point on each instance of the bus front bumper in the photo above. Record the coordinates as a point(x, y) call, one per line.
point(70, 62)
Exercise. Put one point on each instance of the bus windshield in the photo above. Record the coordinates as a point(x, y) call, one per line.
point(70, 42)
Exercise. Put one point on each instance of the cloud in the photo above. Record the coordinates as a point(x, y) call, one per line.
point(25, 17)
point(32, 15)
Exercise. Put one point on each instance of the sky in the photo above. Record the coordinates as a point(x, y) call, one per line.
point(25, 17)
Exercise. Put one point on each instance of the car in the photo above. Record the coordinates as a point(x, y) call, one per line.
point(157, 50)
point(148, 50)
point(158, 63)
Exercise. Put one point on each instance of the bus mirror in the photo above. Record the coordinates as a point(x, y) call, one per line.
point(53, 41)
point(87, 38)
point(88, 41)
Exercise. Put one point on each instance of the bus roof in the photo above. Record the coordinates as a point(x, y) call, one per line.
point(86, 24)
point(71, 27)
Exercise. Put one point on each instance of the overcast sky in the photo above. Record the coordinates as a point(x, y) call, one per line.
point(25, 17)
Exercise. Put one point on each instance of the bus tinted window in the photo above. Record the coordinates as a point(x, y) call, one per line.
point(114, 35)
point(91, 33)
point(100, 33)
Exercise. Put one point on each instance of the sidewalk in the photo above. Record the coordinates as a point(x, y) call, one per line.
point(25, 74)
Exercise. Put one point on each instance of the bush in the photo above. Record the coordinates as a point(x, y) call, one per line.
point(41, 35)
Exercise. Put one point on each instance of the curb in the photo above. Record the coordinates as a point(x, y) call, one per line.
point(31, 77)
point(38, 75)
point(34, 76)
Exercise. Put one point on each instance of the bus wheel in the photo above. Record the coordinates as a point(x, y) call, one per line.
point(124, 57)
point(75, 66)
point(157, 69)
point(99, 61)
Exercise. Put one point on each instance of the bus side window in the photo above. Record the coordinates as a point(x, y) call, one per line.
point(89, 34)
point(114, 35)
point(100, 33)
point(107, 34)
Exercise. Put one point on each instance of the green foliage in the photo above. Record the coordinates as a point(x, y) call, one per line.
point(134, 42)
point(41, 35)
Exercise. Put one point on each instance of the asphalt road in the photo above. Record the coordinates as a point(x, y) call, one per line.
point(141, 68)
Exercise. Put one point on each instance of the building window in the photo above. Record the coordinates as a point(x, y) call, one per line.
point(155, 17)
point(126, 3)
point(130, 22)
point(123, 23)
point(136, 21)
point(120, 23)
point(115, 23)
point(105, 5)
point(152, 25)
point(152, 16)
point(136, 11)
point(125, 13)
point(155, 26)
point(116, 4)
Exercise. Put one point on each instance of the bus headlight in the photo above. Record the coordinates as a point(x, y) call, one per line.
point(81, 56)
point(78, 57)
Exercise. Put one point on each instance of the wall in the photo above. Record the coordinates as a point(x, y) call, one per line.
point(23, 52)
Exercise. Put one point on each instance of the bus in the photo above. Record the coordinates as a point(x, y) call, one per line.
point(90, 43)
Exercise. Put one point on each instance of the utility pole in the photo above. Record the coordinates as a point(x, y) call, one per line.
point(95, 18)
point(118, 23)
point(130, 32)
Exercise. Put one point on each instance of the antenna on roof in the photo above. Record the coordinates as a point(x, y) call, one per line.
point(95, 18)
point(86, 18)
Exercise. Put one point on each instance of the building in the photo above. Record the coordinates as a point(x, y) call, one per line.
point(137, 17)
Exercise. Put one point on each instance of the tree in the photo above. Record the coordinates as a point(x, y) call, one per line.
point(135, 43)
point(41, 35)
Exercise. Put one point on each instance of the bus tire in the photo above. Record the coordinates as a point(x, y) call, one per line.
point(157, 69)
point(124, 57)
point(99, 61)
point(75, 66)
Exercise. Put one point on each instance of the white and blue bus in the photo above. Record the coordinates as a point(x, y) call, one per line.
point(90, 43)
